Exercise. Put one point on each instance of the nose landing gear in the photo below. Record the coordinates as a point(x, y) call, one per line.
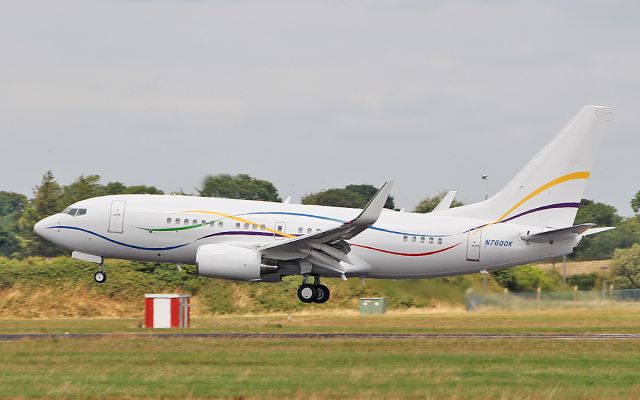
point(313, 293)
point(101, 275)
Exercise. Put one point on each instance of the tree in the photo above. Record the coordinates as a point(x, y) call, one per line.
point(352, 196)
point(240, 186)
point(602, 245)
point(46, 202)
point(367, 192)
point(598, 213)
point(635, 203)
point(626, 267)
point(11, 206)
point(427, 205)
point(86, 187)
point(335, 198)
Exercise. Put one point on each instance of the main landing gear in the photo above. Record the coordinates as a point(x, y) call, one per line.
point(101, 275)
point(313, 293)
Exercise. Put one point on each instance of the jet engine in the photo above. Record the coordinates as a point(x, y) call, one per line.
point(226, 261)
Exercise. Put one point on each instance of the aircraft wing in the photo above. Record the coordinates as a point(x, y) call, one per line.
point(327, 248)
point(445, 202)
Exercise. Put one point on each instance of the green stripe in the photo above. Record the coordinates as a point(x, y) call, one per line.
point(179, 228)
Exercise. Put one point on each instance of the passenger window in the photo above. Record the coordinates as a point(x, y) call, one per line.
point(309, 230)
point(439, 240)
point(246, 226)
point(186, 222)
point(220, 224)
point(318, 230)
point(300, 230)
point(254, 227)
point(168, 220)
point(413, 239)
point(212, 224)
point(204, 222)
point(263, 227)
point(430, 240)
point(177, 221)
point(237, 225)
point(421, 239)
point(405, 238)
point(81, 211)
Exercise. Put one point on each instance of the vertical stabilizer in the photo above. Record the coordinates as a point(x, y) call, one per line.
point(548, 190)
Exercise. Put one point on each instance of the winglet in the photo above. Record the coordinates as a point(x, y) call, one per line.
point(372, 210)
point(446, 201)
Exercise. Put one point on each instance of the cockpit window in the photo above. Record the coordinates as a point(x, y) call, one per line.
point(75, 212)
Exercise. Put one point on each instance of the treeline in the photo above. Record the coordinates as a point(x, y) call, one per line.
point(18, 213)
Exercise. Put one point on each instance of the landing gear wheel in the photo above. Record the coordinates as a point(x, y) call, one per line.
point(307, 293)
point(323, 294)
point(100, 277)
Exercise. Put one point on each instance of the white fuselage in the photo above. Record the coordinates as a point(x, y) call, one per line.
point(399, 245)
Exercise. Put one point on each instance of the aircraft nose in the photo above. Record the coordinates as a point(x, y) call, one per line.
point(40, 227)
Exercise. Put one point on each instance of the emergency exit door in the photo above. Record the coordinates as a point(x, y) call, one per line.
point(474, 240)
point(116, 218)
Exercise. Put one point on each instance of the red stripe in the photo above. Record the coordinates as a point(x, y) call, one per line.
point(408, 254)
point(175, 313)
point(148, 313)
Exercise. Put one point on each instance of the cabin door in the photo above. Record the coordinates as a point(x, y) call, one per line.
point(116, 218)
point(474, 240)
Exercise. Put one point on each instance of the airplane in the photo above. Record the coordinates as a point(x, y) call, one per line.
point(530, 219)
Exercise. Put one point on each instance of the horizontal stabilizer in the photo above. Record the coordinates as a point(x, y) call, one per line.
point(593, 231)
point(558, 235)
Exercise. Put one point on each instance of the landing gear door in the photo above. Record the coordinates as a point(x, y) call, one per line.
point(116, 217)
point(474, 240)
point(279, 227)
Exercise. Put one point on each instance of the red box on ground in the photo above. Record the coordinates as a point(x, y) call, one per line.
point(167, 310)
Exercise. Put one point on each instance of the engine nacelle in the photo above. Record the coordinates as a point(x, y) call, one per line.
point(226, 261)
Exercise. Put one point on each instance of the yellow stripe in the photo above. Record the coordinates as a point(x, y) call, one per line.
point(548, 185)
point(246, 221)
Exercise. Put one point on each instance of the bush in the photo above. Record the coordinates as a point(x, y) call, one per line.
point(583, 281)
point(527, 278)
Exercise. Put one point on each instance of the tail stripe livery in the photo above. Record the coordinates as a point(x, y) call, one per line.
point(546, 186)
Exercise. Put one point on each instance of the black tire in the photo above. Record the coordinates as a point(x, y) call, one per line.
point(100, 277)
point(307, 293)
point(323, 294)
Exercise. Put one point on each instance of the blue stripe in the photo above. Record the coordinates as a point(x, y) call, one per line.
point(132, 246)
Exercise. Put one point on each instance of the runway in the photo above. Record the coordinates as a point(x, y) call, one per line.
point(325, 336)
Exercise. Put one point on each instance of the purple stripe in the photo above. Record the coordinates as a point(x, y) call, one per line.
point(241, 233)
point(549, 207)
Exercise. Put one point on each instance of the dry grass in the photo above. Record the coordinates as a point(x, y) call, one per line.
point(577, 267)
point(64, 301)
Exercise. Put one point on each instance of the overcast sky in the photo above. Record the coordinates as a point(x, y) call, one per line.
point(314, 94)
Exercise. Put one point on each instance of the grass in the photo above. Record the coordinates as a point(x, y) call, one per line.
point(177, 368)
point(448, 320)
point(319, 369)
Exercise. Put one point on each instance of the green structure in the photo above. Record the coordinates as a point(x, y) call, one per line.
point(373, 305)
